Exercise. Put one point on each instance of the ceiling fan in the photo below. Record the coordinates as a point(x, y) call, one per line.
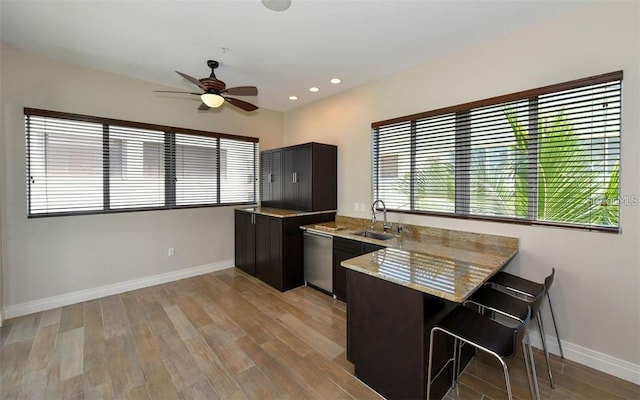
point(215, 91)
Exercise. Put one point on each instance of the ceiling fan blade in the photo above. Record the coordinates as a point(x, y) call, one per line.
point(242, 91)
point(241, 104)
point(175, 91)
point(203, 107)
point(192, 80)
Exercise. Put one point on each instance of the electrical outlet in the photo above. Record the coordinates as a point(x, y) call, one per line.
point(355, 206)
point(362, 208)
point(171, 252)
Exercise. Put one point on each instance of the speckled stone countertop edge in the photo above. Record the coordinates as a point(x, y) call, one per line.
point(281, 212)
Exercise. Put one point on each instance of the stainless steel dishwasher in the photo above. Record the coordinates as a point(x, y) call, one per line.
point(318, 260)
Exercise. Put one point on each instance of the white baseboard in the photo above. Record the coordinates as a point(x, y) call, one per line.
point(48, 303)
point(602, 362)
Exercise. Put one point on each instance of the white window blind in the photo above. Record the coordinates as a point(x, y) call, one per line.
point(136, 173)
point(238, 171)
point(546, 156)
point(64, 165)
point(80, 164)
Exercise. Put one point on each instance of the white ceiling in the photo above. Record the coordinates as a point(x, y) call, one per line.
point(282, 53)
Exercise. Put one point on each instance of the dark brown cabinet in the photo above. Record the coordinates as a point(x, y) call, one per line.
point(344, 249)
point(304, 177)
point(271, 178)
point(275, 247)
point(245, 241)
point(269, 250)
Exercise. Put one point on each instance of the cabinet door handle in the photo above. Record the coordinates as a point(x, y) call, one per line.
point(270, 178)
point(295, 177)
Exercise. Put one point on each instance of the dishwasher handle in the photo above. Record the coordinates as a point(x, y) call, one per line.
point(318, 235)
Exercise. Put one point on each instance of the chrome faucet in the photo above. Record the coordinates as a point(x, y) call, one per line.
point(385, 225)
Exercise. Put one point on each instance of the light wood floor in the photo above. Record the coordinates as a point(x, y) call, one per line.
point(224, 335)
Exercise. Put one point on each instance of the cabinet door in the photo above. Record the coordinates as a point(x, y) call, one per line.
point(370, 248)
point(289, 186)
point(266, 167)
point(245, 242)
point(343, 249)
point(304, 195)
point(271, 178)
point(269, 250)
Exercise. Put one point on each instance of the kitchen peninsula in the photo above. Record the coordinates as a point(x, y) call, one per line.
point(395, 295)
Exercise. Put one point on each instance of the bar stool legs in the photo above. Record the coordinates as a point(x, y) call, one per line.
point(544, 347)
point(555, 325)
point(481, 332)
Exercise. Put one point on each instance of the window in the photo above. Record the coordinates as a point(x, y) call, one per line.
point(544, 156)
point(79, 164)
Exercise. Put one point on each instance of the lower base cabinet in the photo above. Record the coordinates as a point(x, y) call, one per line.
point(276, 246)
point(344, 249)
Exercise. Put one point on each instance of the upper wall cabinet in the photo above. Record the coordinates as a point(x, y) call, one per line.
point(302, 177)
point(271, 178)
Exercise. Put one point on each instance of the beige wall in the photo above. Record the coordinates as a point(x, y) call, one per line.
point(596, 294)
point(47, 257)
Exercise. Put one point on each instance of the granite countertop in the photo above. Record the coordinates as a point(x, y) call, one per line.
point(280, 212)
point(444, 263)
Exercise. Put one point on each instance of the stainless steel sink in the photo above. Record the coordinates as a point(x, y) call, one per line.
point(374, 235)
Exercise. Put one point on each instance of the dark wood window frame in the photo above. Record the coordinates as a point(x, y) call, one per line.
point(461, 113)
point(169, 161)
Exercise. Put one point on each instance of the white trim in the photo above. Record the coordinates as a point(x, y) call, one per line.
point(602, 362)
point(48, 303)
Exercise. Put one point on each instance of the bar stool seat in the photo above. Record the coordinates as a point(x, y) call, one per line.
point(527, 288)
point(480, 331)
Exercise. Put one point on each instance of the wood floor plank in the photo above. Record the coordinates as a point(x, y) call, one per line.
point(71, 345)
point(72, 317)
point(113, 317)
point(314, 379)
point(201, 390)
point(95, 344)
point(33, 385)
point(196, 315)
point(137, 393)
point(285, 335)
point(257, 386)
point(288, 387)
point(159, 383)
point(43, 347)
point(232, 357)
point(14, 358)
point(157, 318)
point(124, 366)
point(97, 381)
point(147, 346)
point(318, 341)
point(178, 361)
point(180, 322)
point(265, 307)
point(134, 309)
point(24, 329)
point(222, 382)
point(342, 377)
point(51, 317)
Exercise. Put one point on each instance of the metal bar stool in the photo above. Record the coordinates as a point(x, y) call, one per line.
point(527, 288)
point(512, 307)
point(480, 331)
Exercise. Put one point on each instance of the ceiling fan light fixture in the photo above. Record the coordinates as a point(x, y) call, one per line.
point(212, 100)
point(277, 5)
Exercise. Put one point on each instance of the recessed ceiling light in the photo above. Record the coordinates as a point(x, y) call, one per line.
point(314, 89)
point(335, 80)
point(293, 97)
point(277, 5)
